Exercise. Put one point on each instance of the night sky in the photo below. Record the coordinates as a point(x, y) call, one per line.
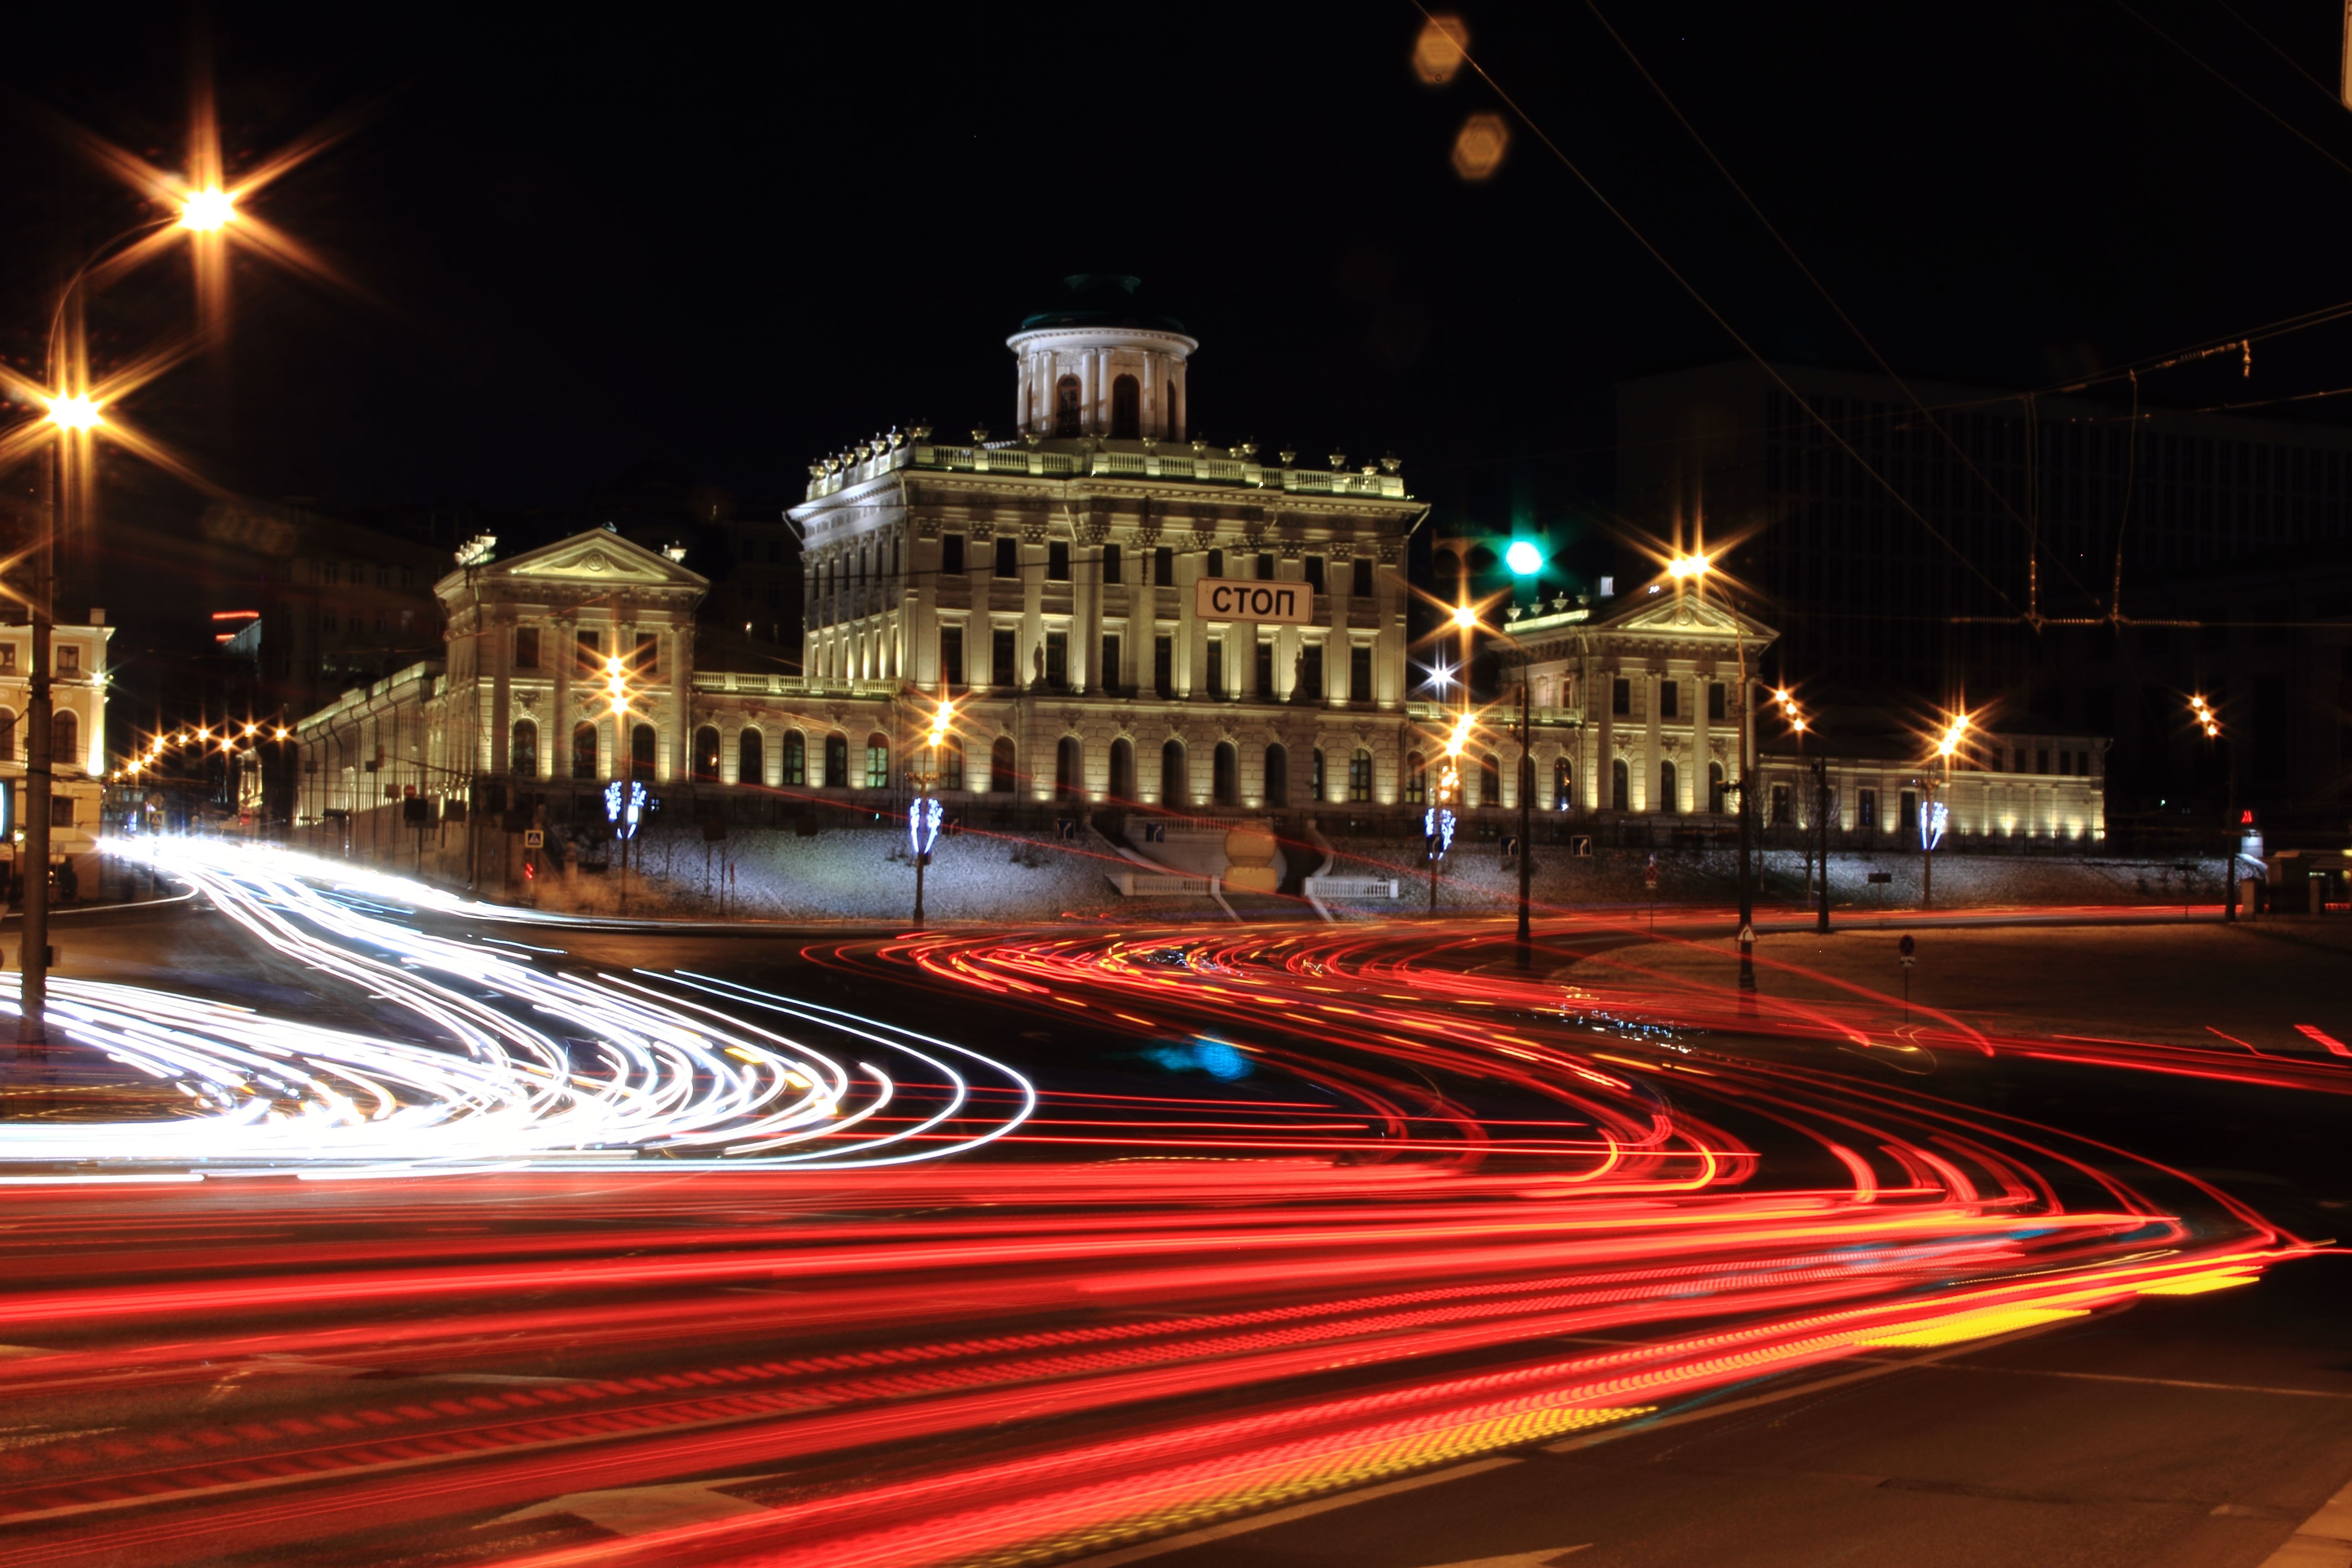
point(728, 240)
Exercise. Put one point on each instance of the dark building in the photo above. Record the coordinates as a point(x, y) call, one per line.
point(2002, 519)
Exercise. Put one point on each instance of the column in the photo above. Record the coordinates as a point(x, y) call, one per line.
point(1603, 769)
point(1192, 658)
point(681, 685)
point(1032, 616)
point(1338, 654)
point(497, 643)
point(1700, 740)
point(1645, 789)
point(559, 719)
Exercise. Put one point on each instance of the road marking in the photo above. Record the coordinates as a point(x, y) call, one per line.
point(641, 1510)
point(2160, 1381)
point(1285, 1515)
point(2322, 1541)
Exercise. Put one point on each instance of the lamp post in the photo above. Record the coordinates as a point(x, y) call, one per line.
point(1694, 568)
point(923, 818)
point(623, 801)
point(2210, 722)
point(1527, 818)
point(1931, 826)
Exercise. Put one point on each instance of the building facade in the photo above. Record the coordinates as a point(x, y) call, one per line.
point(78, 682)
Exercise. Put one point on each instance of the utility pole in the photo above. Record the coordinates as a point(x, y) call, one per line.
point(33, 865)
point(1822, 824)
point(1747, 819)
point(1527, 817)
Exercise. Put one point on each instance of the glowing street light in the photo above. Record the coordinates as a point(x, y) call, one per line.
point(1465, 618)
point(76, 412)
point(1684, 568)
point(207, 211)
point(923, 817)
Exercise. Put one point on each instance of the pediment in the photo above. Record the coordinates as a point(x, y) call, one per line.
point(1685, 615)
point(600, 558)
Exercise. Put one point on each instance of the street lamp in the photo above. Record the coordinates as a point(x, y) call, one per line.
point(923, 819)
point(1693, 567)
point(1934, 813)
point(2208, 723)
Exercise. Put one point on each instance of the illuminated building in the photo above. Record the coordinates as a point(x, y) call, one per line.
point(77, 677)
point(1046, 582)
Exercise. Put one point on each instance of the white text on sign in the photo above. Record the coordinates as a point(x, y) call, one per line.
point(1237, 599)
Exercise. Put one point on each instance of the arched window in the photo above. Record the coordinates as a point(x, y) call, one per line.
point(584, 752)
point(751, 759)
point(1670, 797)
point(644, 747)
point(1175, 411)
point(523, 751)
point(1620, 786)
point(1066, 416)
point(952, 764)
point(1277, 776)
point(1490, 782)
point(795, 772)
point(1126, 409)
point(1360, 777)
point(1175, 789)
point(705, 755)
point(1225, 784)
point(65, 737)
point(1122, 769)
point(999, 767)
point(836, 762)
point(1715, 786)
point(7, 736)
point(877, 762)
point(1416, 779)
point(1069, 770)
point(1563, 784)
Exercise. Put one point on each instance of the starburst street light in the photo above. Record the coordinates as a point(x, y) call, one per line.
point(207, 211)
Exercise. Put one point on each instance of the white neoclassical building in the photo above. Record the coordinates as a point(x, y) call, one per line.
point(1047, 583)
point(76, 731)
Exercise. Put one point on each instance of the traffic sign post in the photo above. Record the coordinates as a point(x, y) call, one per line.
point(1909, 952)
point(1650, 881)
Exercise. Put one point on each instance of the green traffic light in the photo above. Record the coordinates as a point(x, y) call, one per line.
point(1523, 558)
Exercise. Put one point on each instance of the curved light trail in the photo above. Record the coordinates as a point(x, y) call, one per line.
point(504, 1062)
point(1292, 1211)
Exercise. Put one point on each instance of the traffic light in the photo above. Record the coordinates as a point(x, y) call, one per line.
point(1525, 558)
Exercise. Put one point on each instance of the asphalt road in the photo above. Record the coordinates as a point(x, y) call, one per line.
point(515, 1366)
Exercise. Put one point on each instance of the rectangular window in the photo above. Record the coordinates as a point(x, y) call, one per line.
point(952, 657)
point(1715, 700)
point(1108, 678)
point(1314, 572)
point(1265, 568)
point(1908, 805)
point(1163, 665)
point(952, 552)
point(2042, 761)
point(61, 811)
point(1865, 810)
point(1780, 818)
point(1216, 563)
point(1265, 672)
point(1111, 564)
point(1008, 556)
point(7, 657)
point(1360, 584)
point(327, 622)
point(68, 658)
point(1670, 700)
point(587, 649)
point(1359, 673)
point(1310, 673)
point(1621, 698)
point(1163, 568)
point(1057, 561)
point(1216, 665)
point(526, 647)
point(1057, 662)
point(646, 660)
point(999, 658)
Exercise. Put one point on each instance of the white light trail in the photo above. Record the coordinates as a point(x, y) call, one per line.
point(510, 1064)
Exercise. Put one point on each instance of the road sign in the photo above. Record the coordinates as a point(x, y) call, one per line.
point(1748, 936)
point(1650, 873)
point(1580, 845)
point(1270, 604)
point(1510, 845)
point(1909, 949)
point(1881, 877)
point(534, 838)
